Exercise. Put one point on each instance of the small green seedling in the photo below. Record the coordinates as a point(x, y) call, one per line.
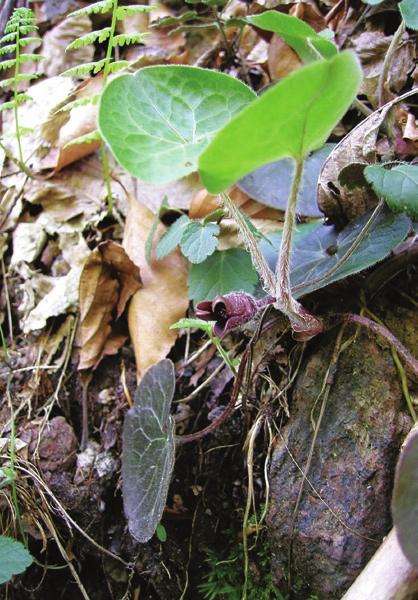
point(165, 122)
point(106, 65)
point(18, 34)
point(14, 558)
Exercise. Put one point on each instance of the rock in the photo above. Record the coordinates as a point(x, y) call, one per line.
point(352, 469)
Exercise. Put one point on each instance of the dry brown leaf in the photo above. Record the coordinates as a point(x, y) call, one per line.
point(282, 60)
point(163, 298)
point(358, 148)
point(204, 203)
point(179, 194)
point(108, 280)
point(56, 60)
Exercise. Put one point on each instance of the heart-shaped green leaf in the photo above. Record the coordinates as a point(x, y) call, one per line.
point(300, 36)
point(14, 558)
point(315, 253)
point(158, 121)
point(405, 495)
point(271, 183)
point(199, 241)
point(409, 12)
point(292, 118)
point(398, 186)
point(148, 451)
point(223, 272)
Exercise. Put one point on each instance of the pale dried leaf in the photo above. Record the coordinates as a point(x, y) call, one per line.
point(56, 60)
point(108, 281)
point(162, 300)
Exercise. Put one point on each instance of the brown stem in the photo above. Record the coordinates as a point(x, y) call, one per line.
point(410, 360)
point(185, 439)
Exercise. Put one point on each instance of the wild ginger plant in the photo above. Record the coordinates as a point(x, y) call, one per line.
point(106, 65)
point(18, 35)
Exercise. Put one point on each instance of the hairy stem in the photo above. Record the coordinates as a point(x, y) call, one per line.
point(259, 262)
point(302, 322)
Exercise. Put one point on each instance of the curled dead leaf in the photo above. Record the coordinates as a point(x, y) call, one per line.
point(108, 280)
point(162, 299)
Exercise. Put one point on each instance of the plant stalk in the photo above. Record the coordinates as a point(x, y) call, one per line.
point(303, 323)
point(15, 95)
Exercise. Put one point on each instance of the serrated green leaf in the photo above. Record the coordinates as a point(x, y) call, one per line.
point(7, 105)
point(25, 29)
point(222, 272)
point(172, 237)
point(30, 58)
point(77, 103)
point(199, 241)
point(404, 499)
point(291, 119)
point(159, 120)
point(14, 558)
point(132, 9)
point(148, 451)
point(29, 40)
point(93, 136)
point(7, 64)
point(101, 7)
point(316, 253)
point(124, 39)
point(90, 38)
point(409, 12)
point(117, 65)
point(300, 36)
point(8, 38)
point(186, 323)
point(271, 183)
point(85, 68)
point(398, 186)
point(7, 49)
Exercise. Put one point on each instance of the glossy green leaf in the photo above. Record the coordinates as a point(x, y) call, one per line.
point(224, 271)
point(409, 12)
point(172, 237)
point(300, 36)
point(405, 498)
point(14, 558)
point(398, 186)
point(199, 241)
point(292, 118)
point(271, 183)
point(315, 253)
point(148, 451)
point(158, 121)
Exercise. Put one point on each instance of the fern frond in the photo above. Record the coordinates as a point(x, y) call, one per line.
point(132, 9)
point(85, 69)
point(128, 38)
point(77, 103)
point(30, 58)
point(118, 65)
point(90, 38)
point(7, 64)
point(96, 8)
point(20, 99)
point(18, 79)
point(25, 29)
point(8, 38)
point(7, 49)
point(93, 136)
point(29, 40)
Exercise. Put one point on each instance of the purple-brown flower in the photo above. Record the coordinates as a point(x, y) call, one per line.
point(229, 311)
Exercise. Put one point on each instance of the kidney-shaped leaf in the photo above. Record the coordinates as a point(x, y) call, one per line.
point(405, 495)
point(158, 121)
point(317, 252)
point(300, 36)
point(14, 558)
point(148, 451)
point(398, 186)
point(271, 184)
point(292, 118)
